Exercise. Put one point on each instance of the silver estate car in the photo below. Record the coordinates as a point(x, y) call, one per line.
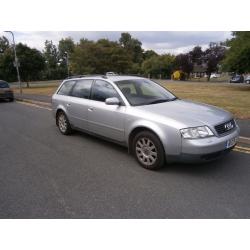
point(154, 124)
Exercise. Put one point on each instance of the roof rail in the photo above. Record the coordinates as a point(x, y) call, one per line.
point(82, 76)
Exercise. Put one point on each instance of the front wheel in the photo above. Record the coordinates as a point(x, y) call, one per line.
point(63, 123)
point(148, 150)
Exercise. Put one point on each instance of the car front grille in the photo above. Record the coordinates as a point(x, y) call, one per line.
point(225, 127)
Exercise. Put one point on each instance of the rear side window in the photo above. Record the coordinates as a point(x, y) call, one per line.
point(66, 88)
point(4, 84)
point(82, 89)
point(102, 90)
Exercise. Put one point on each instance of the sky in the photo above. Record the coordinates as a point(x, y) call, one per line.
point(174, 42)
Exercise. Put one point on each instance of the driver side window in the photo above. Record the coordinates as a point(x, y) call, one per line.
point(102, 90)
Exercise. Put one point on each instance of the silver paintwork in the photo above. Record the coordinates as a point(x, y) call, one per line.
point(117, 122)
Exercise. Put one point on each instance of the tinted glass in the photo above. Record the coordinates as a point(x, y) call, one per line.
point(66, 88)
point(4, 84)
point(102, 90)
point(143, 92)
point(82, 89)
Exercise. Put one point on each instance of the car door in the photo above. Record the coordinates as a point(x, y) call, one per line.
point(79, 103)
point(106, 120)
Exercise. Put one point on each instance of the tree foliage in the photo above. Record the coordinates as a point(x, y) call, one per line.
point(184, 63)
point(99, 57)
point(238, 56)
point(213, 56)
point(4, 44)
point(132, 46)
point(31, 62)
point(125, 56)
point(159, 66)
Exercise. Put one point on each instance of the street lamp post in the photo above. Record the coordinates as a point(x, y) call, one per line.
point(16, 61)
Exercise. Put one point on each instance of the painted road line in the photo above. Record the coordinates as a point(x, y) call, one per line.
point(244, 138)
point(242, 148)
point(34, 102)
point(241, 151)
point(34, 105)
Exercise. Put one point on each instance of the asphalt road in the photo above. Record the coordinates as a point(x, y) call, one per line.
point(44, 174)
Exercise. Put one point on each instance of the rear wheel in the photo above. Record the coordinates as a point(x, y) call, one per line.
point(63, 123)
point(148, 150)
point(11, 99)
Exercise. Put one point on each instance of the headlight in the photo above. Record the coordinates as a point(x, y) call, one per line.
point(195, 133)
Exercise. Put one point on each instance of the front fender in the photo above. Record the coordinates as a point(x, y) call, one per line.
point(169, 136)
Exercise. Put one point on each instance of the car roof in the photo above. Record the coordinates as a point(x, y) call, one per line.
point(113, 78)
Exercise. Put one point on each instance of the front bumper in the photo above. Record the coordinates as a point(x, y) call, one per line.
point(206, 149)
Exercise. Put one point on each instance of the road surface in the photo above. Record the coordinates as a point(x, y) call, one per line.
point(44, 174)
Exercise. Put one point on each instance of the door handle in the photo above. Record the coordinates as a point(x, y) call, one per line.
point(90, 109)
point(68, 104)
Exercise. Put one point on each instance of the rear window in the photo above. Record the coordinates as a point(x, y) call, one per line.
point(4, 84)
point(66, 88)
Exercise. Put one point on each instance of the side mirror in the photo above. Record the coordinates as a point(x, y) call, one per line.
point(112, 101)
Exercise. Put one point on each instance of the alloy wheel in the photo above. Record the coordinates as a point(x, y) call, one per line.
point(146, 151)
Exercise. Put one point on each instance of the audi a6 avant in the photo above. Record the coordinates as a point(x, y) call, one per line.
point(154, 124)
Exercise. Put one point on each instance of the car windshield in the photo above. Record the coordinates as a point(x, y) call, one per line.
point(4, 84)
point(144, 92)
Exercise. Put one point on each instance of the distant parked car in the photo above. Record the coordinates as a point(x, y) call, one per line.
point(215, 75)
point(237, 79)
point(6, 93)
point(247, 79)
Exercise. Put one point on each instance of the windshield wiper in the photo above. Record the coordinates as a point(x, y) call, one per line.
point(159, 101)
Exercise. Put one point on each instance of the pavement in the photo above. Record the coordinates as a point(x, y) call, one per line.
point(44, 174)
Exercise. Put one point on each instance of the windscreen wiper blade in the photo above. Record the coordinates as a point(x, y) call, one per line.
point(159, 101)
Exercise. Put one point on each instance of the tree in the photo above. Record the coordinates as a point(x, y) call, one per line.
point(196, 55)
point(237, 57)
point(7, 69)
point(184, 63)
point(132, 46)
point(159, 66)
point(213, 56)
point(54, 69)
point(4, 44)
point(65, 49)
point(99, 57)
point(66, 45)
point(31, 63)
point(149, 53)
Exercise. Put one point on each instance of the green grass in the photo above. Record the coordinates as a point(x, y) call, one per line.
point(232, 97)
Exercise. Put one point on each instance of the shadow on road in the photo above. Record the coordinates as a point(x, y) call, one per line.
point(211, 167)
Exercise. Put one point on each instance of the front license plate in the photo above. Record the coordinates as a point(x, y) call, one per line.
point(231, 142)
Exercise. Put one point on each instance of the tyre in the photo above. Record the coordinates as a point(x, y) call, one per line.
point(11, 99)
point(63, 123)
point(148, 150)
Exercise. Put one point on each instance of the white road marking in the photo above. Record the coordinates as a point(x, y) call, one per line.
point(241, 151)
point(34, 105)
point(244, 138)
